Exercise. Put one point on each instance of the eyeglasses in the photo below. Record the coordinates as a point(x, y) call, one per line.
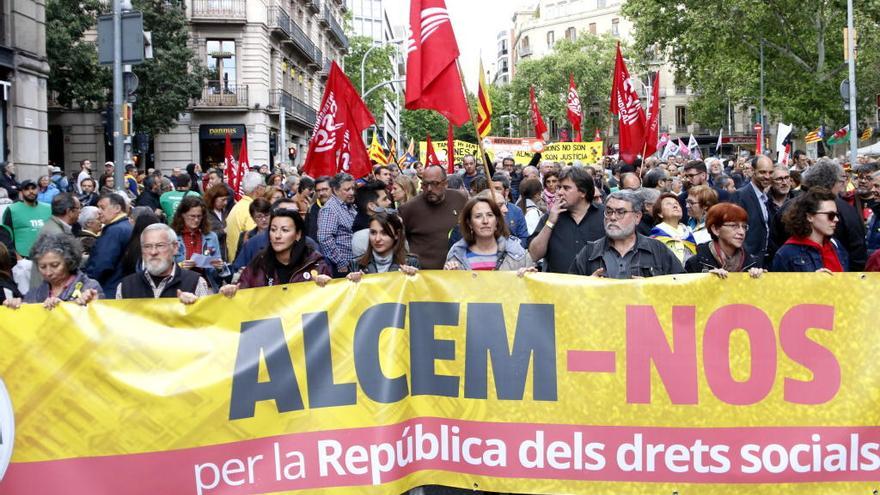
point(612, 213)
point(736, 226)
point(433, 184)
point(160, 246)
point(692, 202)
point(782, 179)
point(832, 215)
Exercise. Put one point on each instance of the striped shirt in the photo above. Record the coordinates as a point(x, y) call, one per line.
point(484, 262)
point(334, 231)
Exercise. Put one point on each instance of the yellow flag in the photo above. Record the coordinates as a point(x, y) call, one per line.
point(484, 107)
point(377, 154)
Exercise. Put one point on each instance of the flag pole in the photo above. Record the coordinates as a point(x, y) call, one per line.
point(474, 123)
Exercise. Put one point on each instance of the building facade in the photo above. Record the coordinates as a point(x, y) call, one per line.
point(502, 65)
point(23, 74)
point(370, 19)
point(536, 31)
point(265, 58)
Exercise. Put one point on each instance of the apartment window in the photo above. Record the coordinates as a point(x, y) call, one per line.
point(681, 117)
point(525, 45)
point(592, 28)
point(571, 34)
point(680, 90)
point(615, 27)
point(551, 39)
point(221, 61)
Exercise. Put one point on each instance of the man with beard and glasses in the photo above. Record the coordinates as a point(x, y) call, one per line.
point(162, 278)
point(623, 253)
point(430, 217)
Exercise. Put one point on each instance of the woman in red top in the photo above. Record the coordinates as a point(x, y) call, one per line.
point(811, 220)
point(196, 239)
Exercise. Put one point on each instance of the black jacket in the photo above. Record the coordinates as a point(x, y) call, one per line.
point(658, 259)
point(150, 199)
point(703, 261)
point(757, 237)
point(136, 286)
point(850, 232)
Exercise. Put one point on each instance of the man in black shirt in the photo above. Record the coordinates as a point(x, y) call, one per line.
point(571, 223)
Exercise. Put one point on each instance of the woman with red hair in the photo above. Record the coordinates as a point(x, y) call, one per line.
point(728, 225)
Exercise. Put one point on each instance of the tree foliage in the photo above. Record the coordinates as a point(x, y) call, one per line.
point(714, 46)
point(167, 83)
point(377, 69)
point(74, 73)
point(590, 59)
point(174, 76)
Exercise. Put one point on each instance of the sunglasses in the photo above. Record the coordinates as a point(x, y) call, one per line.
point(832, 215)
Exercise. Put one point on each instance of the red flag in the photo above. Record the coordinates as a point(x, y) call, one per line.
point(430, 155)
point(537, 120)
point(432, 78)
point(574, 108)
point(598, 136)
point(231, 168)
point(653, 120)
point(450, 150)
point(336, 144)
point(759, 146)
point(626, 105)
point(243, 167)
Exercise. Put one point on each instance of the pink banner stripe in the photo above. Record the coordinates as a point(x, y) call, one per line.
point(563, 453)
point(592, 361)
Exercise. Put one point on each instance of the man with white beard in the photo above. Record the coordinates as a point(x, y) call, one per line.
point(624, 253)
point(162, 277)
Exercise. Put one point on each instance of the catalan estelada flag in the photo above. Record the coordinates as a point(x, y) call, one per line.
point(484, 107)
point(377, 154)
point(866, 134)
point(815, 136)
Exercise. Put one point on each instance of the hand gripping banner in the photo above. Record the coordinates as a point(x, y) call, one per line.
point(543, 384)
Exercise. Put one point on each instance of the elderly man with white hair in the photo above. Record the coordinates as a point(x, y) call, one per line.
point(239, 219)
point(90, 228)
point(162, 278)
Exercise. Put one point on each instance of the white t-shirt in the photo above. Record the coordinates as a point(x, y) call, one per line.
point(83, 175)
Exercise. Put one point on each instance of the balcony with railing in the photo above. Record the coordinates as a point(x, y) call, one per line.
point(295, 108)
point(279, 22)
point(219, 11)
point(302, 42)
point(335, 29)
point(318, 60)
point(325, 69)
point(314, 6)
point(217, 94)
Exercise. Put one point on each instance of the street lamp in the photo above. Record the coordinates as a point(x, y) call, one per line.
point(367, 54)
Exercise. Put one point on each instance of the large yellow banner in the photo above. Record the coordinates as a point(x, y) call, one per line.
point(543, 384)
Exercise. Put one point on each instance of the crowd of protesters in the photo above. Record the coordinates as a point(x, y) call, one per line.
point(185, 236)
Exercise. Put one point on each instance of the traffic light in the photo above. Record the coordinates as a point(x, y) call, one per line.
point(126, 119)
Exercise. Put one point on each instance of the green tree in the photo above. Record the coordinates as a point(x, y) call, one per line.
point(377, 69)
point(74, 73)
point(174, 76)
point(590, 59)
point(167, 83)
point(714, 46)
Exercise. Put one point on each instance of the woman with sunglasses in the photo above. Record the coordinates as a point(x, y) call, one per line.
point(811, 220)
point(727, 225)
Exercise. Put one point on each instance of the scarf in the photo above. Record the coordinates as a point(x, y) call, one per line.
point(549, 198)
point(730, 263)
point(669, 235)
point(383, 263)
point(827, 250)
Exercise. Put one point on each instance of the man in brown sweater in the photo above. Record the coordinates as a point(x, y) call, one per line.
point(429, 217)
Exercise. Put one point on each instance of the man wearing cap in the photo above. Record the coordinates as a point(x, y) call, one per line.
point(170, 200)
point(25, 218)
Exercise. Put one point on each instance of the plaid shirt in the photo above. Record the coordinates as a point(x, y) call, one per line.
point(334, 231)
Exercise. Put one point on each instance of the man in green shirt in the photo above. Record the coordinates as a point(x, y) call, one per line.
point(170, 200)
point(25, 218)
